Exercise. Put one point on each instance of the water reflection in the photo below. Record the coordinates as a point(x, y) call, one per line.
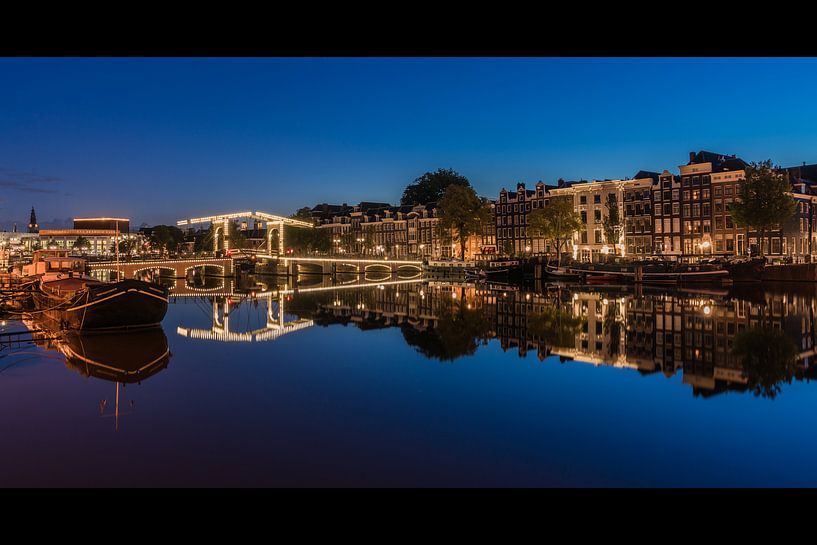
point(712, 338)
point(124, 357)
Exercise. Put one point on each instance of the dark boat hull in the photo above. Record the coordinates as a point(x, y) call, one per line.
point(118, 305)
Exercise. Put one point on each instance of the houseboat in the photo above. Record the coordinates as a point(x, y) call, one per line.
point(71, 299)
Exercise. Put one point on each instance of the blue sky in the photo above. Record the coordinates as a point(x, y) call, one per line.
point(160, 139)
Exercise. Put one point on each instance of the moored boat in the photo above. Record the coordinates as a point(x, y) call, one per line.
point(72, 300)
point(654, 273)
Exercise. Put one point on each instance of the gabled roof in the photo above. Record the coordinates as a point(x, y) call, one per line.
point(646, 174)
point(720, 161)
point(807, 173)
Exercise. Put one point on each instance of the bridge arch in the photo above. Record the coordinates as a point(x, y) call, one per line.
point(204, 267)
point(174, 272)
point(377, 267)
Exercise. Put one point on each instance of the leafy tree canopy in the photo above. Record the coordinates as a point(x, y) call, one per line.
point(82, 242)
point(167, 237)
point(556, 222)
point(431, 186)
point(463, 211)
point(612, 222)
point(765, 201)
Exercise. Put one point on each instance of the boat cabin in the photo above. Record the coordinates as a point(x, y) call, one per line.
point(55, 261)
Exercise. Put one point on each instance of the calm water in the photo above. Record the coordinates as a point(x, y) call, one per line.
point(418, 383)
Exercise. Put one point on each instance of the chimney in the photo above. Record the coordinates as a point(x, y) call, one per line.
point(691, 156)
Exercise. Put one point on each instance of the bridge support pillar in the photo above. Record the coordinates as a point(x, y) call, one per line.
point(226, 234)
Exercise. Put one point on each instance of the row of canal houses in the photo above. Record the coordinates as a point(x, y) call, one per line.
point(678, 216)
point(675, 216)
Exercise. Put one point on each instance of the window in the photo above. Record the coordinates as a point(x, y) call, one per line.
point(667, 209)
point(686, 211)
point(584, 237)
point(696, 210)
point(583, 199)
point(597, 235)
point(705, 209)
point(675, 194)
point(597, 216)
point(597, 199)
point(686, 195)
point(584, 216)
point(718, 190)
point(676, 208)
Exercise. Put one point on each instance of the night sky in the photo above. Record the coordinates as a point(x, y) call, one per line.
point(156, 140)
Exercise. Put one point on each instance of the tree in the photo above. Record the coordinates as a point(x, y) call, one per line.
point(768, 357)
point(203, 240)
point(305, 239)
point(764, 200)
point(347, 241)
point(303, 214)
point(167, 238)
point(612, 223)
point(126, 246)
point(82, 242)
point(463, 211)
point(431, 186)
point(556, 222)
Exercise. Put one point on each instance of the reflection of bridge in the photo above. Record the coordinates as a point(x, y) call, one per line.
point(176, 268)
point(333, 266)
point(274, 327)
point(274, 225)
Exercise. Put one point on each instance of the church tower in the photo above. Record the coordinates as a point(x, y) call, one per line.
point(32, 224)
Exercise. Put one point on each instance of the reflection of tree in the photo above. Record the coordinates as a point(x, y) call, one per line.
point(612, 327)
point(459, 332)
point(768, 358)
point(556, 327)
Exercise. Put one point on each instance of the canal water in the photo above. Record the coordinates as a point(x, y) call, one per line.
point(409, 382)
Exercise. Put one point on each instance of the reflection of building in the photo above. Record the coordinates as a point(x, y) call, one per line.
point(662, 332)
